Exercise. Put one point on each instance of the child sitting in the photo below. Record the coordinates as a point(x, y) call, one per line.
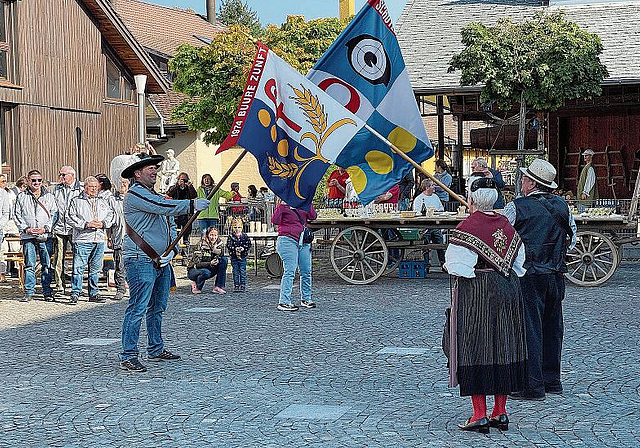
point(208, 261)
point(238, 245)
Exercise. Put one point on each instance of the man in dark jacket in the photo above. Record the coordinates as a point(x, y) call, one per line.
point(548, 231)
point(183, 190)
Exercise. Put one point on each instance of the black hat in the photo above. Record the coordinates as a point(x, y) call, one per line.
point(141, 160)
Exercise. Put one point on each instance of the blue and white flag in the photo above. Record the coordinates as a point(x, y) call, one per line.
point(365, 72)
point(294, 129)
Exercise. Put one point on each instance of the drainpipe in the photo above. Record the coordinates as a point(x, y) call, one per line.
point(141, 83)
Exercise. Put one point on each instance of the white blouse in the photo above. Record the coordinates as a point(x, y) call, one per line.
point(461, 261)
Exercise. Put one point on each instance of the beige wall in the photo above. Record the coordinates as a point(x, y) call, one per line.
point(197, 158)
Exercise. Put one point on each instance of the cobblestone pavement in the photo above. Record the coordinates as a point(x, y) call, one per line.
point(363, 369)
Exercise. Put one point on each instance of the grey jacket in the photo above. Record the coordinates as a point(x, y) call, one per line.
point(83, 209)
point(5, 208)
point(150, 215)
point(64, 194)
point(29, 214)
point(116, 231)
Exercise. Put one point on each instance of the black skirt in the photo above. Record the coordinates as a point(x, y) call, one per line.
point(491, 344)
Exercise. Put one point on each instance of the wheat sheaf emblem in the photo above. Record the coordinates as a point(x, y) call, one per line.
point(318, 118)
point(282, 169)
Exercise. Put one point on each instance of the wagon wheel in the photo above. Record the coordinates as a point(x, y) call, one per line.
point(593, 261)
point(359, 255)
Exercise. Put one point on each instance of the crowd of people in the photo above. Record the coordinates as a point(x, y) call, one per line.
point(504, 329)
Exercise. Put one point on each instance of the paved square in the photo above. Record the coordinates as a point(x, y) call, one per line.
point(363, 369)
point(402, 351)
point(313, 412)
point(94, 341)
point(204, 310)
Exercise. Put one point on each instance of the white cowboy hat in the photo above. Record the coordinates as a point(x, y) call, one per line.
point(542, 172)
point(588, 152)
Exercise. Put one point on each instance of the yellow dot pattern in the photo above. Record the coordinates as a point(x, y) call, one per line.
point(274, 134)
point(379, 162)
point(283, 148)
point(358, 178)
point(264, 117)
point(403, 140)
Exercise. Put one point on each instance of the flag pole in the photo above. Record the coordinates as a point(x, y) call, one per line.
point(175, 242)
point(416, 165)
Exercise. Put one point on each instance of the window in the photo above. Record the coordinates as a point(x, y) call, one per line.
point(4, 40)
point(119, 84)
point(128, 90)
point(113, 80)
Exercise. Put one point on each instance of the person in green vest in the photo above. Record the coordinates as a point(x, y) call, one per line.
point(210, 216)
point(587, 184)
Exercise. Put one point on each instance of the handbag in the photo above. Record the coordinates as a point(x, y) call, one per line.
point(307, 234)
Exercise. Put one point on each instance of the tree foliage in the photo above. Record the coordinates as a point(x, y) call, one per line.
point(545, 60)
point(237, 12)
point(214, 76)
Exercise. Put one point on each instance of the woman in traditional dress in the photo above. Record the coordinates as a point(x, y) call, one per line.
point(487, 349)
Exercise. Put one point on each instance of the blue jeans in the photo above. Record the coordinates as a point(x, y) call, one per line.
point(239, 266)
point(434, 236)
point(86, 254)
point(201, 275)
point(44, 249)
point(294, 256)
point(148, 293)
point(205, 223)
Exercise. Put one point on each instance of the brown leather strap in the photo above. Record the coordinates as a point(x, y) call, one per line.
point(143, 245)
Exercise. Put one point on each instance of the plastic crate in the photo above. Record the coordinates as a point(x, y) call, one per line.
point(409, 234)
point(412, 269)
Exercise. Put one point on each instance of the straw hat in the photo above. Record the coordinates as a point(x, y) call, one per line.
point(588, 152)
point(542, 172)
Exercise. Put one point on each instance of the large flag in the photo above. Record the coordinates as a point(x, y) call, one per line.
point(292, 127)
point(364, 71)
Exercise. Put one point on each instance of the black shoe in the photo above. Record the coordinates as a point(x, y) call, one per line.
point(133, 365)
point(305, 304)
point(500, 421)
point(118, 296)
point(524, 396)
point(236, 288)
point(243, 288)
point(481, 426)
point(287, 307)
point(48, 298)
point(73, 300)
point(164, 356)
point(553, 390)
point(97, 299)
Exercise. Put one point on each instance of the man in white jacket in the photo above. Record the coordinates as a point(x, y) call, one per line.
point(90, 215)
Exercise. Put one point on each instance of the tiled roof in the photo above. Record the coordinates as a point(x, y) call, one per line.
point(166, 103)
point(163, 29)
point(429, 35)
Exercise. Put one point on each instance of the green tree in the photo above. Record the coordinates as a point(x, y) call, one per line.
point(537, 63)
point(237, 12)
point(214, 76)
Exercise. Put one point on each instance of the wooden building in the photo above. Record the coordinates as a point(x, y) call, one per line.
point(429, 35)
point(67, 91)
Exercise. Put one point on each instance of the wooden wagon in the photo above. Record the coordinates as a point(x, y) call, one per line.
point(364, 249)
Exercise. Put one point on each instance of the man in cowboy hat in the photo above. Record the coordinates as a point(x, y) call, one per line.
point(548, 231)
point(587, 185)
point(149, 231)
